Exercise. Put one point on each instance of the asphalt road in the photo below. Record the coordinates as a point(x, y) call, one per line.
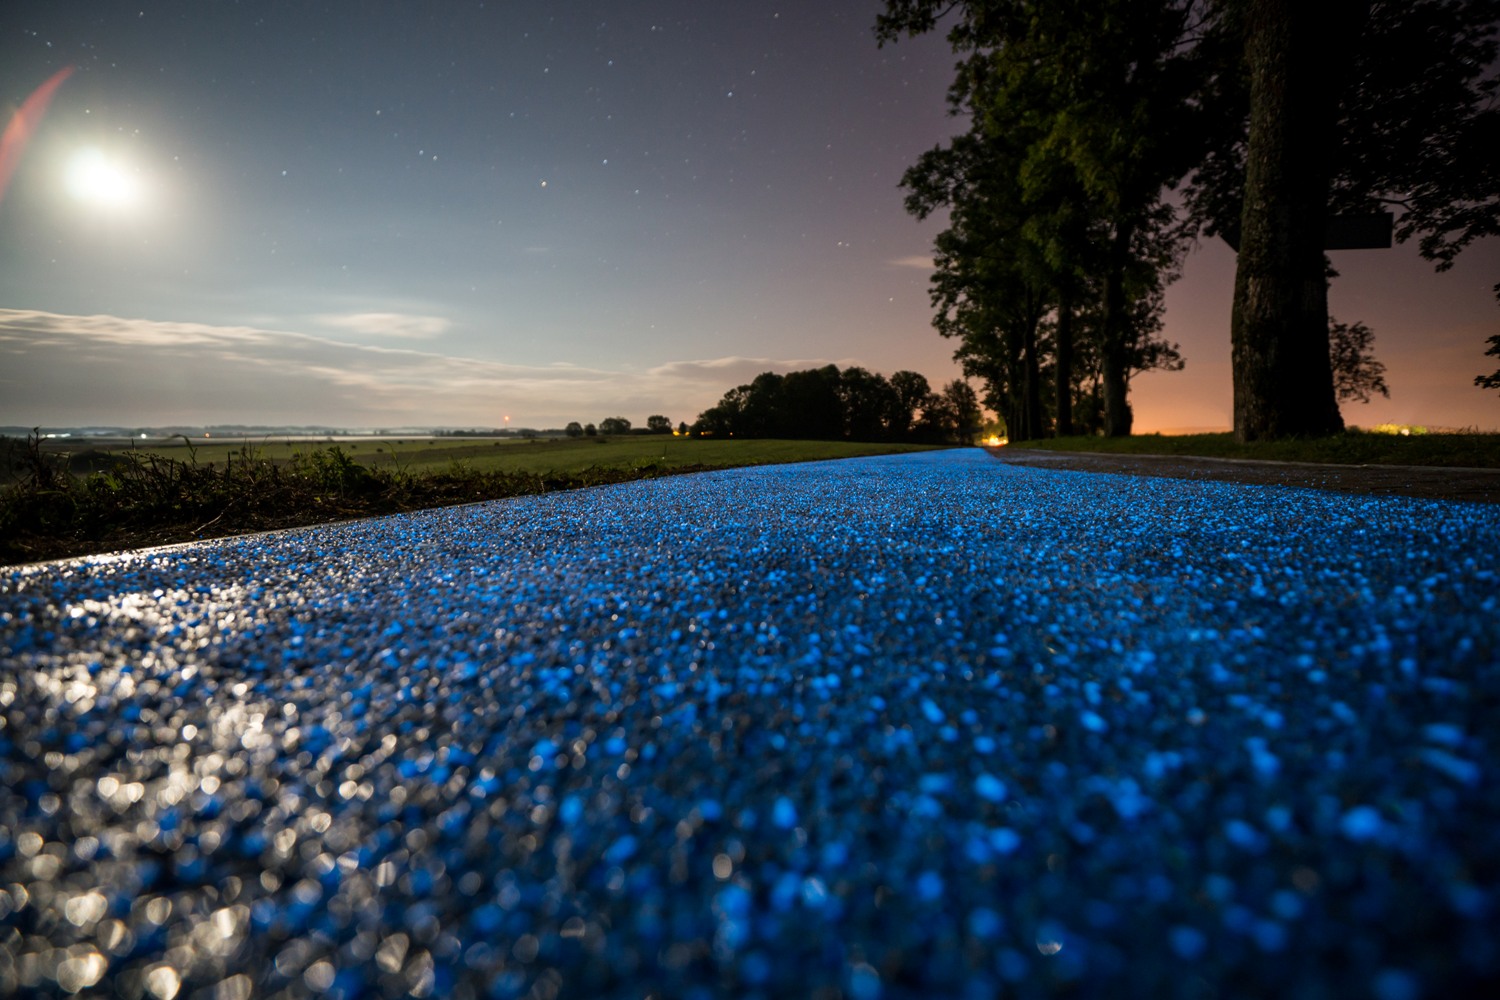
point(891, 727)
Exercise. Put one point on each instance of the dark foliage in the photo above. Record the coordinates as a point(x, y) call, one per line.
point(1351, 351)
point(1081, 115)
point(1084, 114)
point(50, 512)
point(1490, 381)
point(826, 404)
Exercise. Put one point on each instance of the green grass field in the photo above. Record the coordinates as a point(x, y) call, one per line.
point(81, 497)
point(1480, 451)
point(421, 456)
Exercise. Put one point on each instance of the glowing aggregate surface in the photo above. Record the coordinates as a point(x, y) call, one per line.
point(889, 727)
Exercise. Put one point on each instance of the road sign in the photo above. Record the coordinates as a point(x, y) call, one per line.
point(1345, 232)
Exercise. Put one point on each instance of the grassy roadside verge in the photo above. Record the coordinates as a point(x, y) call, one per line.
point(1480, 451)
point(141, 499)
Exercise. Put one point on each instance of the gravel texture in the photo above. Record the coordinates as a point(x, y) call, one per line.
point(1425, 481)
point(890, 727)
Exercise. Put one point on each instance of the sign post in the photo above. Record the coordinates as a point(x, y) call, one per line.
point(1345, 232)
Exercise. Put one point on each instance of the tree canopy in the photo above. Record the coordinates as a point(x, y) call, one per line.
point(853, 404)
point(1080, 117)
point(1273, 116)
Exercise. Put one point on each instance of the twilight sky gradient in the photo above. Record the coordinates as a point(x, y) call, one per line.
point(383, 213)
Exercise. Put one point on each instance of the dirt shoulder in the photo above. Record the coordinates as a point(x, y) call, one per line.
point(1427, 482)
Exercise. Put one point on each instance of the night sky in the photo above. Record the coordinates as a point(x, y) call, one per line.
point(391, 214)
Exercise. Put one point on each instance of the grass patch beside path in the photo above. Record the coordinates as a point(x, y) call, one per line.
point(131, 499)
point(577, 455)
point(1479, 451)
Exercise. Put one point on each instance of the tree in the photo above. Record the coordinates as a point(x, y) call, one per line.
point(682, 429)
point(1005, 261)
point(990, 288)
point(1490, 381)
point(763, 414)
point(1284, 114)
point(590, 430)
point(1356, 373)
point(574, 429)
point(964, 404)
point(614, 425)
point(937, 423)
point(868, 401)
point(1283, 384)
point(1340, 108)
point(658, 424)
point(829, 404)
point(812, 406)
point(728, 417)
point(909, 391)
point(1083, 111)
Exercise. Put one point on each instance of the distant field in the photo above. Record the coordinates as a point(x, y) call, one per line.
point(424, 455)
point(1480, 451)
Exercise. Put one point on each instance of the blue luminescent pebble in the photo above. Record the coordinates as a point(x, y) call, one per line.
point(1187, 942)
point(1361, 823)
point(1395, 984)
point(989, 788)
point(934, 784)
point(571, 810)
point(864, 983)
point(621, 850)
point(488, 919)
point(1445, 733)
point(756, 968)
point(786, 890)
point(929, 886)
point(985, 923)
point(1004, 840)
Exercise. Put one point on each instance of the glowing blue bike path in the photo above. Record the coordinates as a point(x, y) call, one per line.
point(889, 727)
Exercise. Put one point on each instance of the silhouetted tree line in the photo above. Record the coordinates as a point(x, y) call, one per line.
point(655, 424)
point(853, 404)
point(1277, 123)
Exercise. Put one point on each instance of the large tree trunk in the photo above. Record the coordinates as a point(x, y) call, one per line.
point(1064, 363)
point(1016, 427)
point(1113, 355)
point(1297, 54)
point(1032, 383)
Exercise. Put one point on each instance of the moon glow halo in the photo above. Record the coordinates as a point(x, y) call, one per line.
point(93, 178)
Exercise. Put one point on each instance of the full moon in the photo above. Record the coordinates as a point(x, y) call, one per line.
point(94, 178)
